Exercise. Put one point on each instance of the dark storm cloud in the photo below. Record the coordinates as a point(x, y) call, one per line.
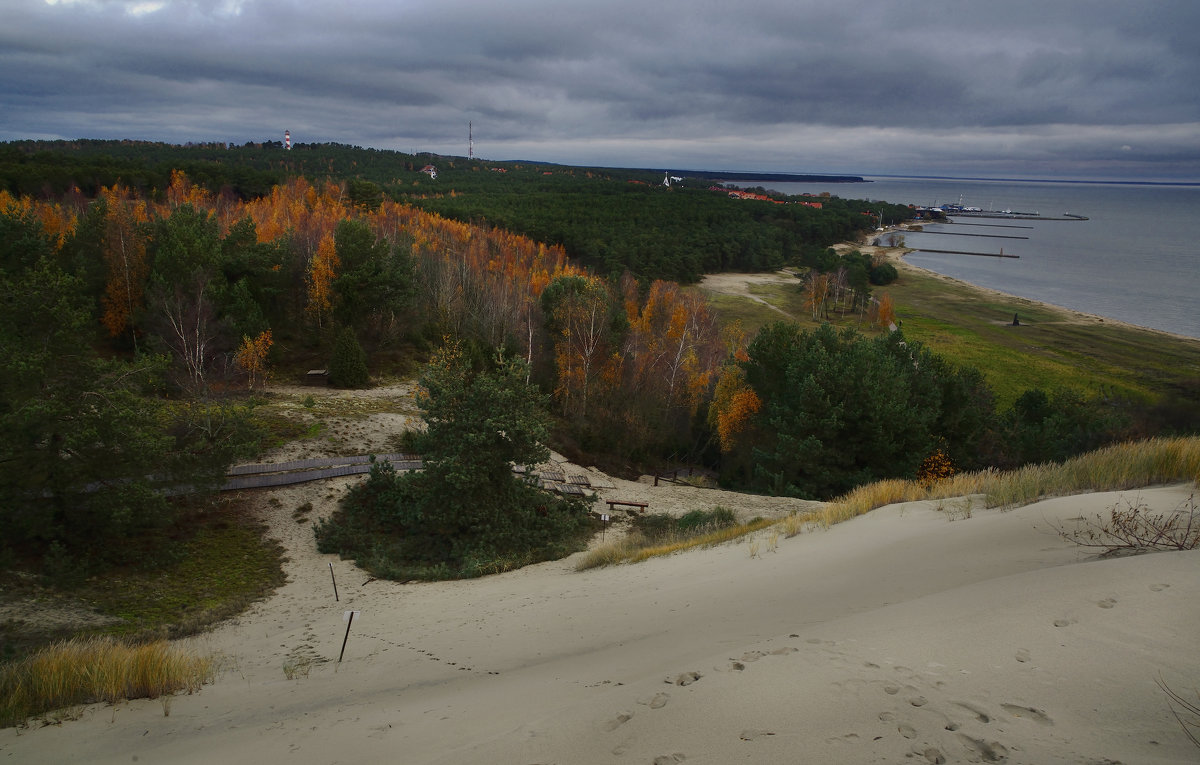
point(1073, 88)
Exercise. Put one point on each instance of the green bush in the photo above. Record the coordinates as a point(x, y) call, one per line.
point(705, 520)
point(884, 273)
point(464, 513)
point(348, 367)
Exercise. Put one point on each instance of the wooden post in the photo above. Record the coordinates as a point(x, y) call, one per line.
point(349, 621)
point(331, 576)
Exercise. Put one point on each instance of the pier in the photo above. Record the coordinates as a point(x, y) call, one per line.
point(1015, 215)
point(986, 225)
point(986, 236)
point(1001, 254)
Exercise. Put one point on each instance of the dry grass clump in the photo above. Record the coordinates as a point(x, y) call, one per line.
point(1120, 466)
point(96, 669)
point(866, 498)
point(1113, 468)
point(637, 547)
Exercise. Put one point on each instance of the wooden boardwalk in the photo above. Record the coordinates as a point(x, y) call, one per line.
point(266, 474)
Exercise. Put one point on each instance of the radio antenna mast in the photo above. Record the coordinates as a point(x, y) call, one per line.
point(470, 140)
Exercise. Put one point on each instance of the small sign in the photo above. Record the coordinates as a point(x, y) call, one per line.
point(604, 517)
point(347, 615)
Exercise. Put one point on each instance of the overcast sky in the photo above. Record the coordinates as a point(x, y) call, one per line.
point(1105, 89)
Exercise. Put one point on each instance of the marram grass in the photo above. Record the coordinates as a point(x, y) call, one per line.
point(96, 669)
point(636, 548)
point(1120, 466)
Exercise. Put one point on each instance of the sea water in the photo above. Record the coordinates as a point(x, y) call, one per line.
point(1135, 259)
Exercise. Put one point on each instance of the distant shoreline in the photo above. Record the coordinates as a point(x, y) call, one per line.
point(714, 175)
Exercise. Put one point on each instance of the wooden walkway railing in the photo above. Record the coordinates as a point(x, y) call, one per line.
point(264, 474)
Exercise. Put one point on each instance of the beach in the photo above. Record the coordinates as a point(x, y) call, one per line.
point(921, 632)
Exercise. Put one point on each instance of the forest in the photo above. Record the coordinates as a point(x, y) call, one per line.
point(608, 220)
point(141, 311)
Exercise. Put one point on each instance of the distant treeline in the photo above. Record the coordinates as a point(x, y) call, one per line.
point(611, 220)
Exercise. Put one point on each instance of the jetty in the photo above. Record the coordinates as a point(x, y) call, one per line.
point(1001, 254)
point(960, 233)
point(1007, 215)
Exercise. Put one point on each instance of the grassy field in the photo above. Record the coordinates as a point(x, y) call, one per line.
point(1052, 348)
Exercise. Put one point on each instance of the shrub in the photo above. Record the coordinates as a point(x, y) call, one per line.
point(465, 513)
point(1135, 528)
point(348, 367)
point(935, 468)
point(882, 274)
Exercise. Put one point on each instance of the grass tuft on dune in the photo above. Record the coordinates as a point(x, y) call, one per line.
point(96, 669)
point(1121, 466)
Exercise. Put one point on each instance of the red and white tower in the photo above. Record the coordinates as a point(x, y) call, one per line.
point(287, 140)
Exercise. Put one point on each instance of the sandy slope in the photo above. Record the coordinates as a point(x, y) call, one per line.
point(898, 637)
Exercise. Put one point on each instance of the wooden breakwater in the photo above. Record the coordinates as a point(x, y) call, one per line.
point(960, 233)
point(1017, 215)
point(983, 225)
point(1000, 254)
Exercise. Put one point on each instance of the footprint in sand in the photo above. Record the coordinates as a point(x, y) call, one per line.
point(784, 651)
point(980, 714)
point(934, 755)
point(687, 678)
point(618, 721)
point(752, 655)
point(989, 751)
point(1039, 716)
point(1063, 622)
point(658, 702)
point(1158, 587)
point(891, 690)
point(1107, 603)
point(667, 759)
point(907, 730)
point(1022, 655)
point(918, 701)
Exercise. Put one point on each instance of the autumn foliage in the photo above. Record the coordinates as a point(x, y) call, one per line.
point(632, 362)
point(252, 357)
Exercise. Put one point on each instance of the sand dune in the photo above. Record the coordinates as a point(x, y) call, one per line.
point(897, 637)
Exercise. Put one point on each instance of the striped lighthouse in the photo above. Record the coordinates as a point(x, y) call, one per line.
point(287, 140)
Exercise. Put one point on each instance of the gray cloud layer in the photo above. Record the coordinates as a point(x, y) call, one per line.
point(1087, 88)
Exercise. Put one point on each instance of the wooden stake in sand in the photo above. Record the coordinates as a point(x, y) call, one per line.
point(348, 618)
point(334, 578)
point(604, 528)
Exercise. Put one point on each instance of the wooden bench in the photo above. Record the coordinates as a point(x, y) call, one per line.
point(641, 506)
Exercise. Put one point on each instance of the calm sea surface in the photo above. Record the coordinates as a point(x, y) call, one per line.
point(1135, 259)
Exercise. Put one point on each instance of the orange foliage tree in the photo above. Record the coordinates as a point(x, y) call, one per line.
point(252, 357)
point(733, 406)
point(883, 312)
point(125, 260)
point(322, 270)
point(578, 314)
